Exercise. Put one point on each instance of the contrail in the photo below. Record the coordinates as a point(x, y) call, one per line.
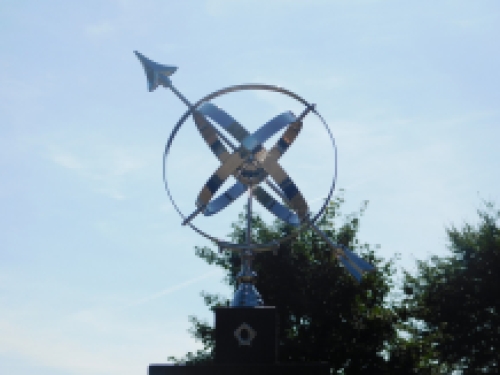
point(171, 289)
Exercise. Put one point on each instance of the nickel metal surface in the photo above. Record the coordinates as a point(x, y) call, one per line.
point(268, 164)
point(251, 164)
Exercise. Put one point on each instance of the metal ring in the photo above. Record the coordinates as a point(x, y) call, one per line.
point(244, 87)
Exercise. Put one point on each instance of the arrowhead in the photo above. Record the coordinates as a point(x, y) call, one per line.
point(156, 74)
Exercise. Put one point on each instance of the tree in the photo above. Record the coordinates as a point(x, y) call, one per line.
point(324, 314)
point(455, 300)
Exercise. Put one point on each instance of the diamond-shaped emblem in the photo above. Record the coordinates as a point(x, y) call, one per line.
point(245, 334)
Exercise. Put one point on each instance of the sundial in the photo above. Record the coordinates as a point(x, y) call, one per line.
point(256, 170)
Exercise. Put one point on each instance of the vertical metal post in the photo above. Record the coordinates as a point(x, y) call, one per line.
point(247, 254)
point(247, 295)
point(249, 215)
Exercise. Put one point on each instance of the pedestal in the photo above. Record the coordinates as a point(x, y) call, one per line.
point(245, 335)
point(246, 343)
point(272, 369)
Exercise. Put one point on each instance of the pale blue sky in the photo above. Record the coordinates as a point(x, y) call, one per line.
point(97, 276)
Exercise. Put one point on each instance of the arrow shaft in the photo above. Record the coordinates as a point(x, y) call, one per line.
point(190, 106)
point(180, 96)
point(318, 231)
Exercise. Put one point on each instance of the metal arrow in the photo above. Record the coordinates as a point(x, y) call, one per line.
point(158, 75)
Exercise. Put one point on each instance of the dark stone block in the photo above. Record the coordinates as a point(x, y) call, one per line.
point(247, 369)
point(245, 335)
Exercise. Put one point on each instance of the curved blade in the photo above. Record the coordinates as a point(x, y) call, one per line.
point(218, 204)
point(276, 208)
point(226, 121)
point(210, 137)
point(250, 144)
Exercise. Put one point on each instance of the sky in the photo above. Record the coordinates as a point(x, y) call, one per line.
point(97, 274)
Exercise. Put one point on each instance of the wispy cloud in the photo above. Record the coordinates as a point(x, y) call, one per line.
point(171, 289)
point(67, 160)
point(52, 350)
point(105, 353)
point(105, 167)
point(103, 28)
point(95, 340)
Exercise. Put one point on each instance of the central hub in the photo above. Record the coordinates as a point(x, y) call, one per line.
point(251, 172)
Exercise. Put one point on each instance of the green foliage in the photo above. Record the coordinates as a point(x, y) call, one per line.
point(324, 314)
point(447, 319)
point(454, 301)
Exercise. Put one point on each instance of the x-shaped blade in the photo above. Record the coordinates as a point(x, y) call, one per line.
point(250, 151)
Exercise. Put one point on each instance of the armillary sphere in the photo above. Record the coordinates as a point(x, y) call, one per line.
point(255, 169)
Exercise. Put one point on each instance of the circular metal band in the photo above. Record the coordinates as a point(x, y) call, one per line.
point(247, 87)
